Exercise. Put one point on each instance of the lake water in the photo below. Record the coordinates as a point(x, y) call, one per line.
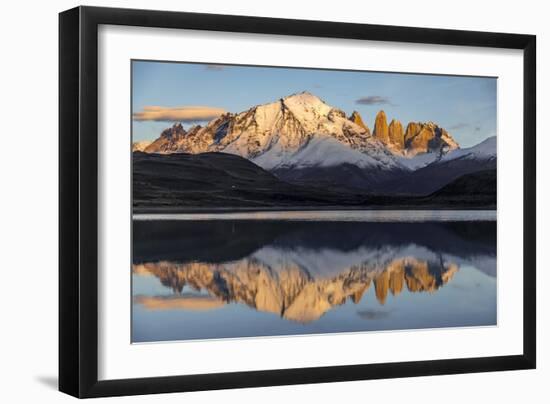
point(334, 215)
point(202, 276)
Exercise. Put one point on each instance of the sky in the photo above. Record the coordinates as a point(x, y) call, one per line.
point(168, 92)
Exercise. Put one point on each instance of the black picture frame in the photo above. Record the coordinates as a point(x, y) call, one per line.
point(78, 201)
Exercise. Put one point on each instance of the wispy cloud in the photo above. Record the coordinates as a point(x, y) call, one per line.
point(180, 114)
point(215, 68)
point(464, 125)
point(373, 314)
point(373, 100)
point(459, 125)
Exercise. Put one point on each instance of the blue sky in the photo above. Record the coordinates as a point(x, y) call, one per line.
point(465, 106)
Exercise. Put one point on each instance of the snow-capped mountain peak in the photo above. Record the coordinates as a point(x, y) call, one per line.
point(307, 108)
point(302, 130)
point(486, 150)
point(324, 151)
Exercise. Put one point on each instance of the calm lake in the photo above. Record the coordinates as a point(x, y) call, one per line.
point(247, 274)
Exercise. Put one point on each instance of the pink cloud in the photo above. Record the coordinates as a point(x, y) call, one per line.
point(180, 114)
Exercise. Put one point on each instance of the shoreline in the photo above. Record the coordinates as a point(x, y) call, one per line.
point(329, 215)
point(246, 209)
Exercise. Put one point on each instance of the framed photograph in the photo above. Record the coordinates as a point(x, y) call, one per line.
point(252, 201)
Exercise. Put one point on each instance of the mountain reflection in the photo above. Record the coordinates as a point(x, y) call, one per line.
point(287, 288)
point(300, 271)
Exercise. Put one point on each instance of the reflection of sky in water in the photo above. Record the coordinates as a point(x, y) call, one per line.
point(351, 278)
point(468, 300)
point(333, 215)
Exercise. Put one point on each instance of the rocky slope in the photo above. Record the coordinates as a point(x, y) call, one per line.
point(187, 182)
point(140, 146)
point(219, 180)
point(169, 140)
point(481, 186)
point(446, 169)
point(396, 136)
point(356, 118)
point(381, 130)
point(427, 138)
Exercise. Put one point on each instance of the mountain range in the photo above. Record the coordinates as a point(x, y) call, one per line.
point(301, 141)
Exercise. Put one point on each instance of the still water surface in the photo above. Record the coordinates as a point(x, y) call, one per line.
point(334, 215)
point(207, 276)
